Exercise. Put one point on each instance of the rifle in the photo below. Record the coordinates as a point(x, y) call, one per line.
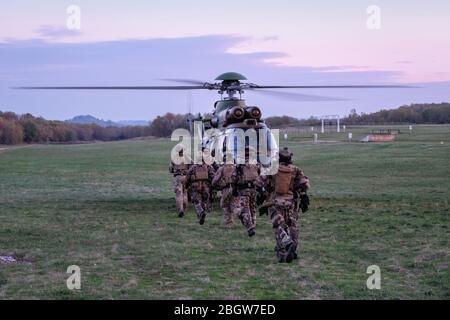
point(261, 196)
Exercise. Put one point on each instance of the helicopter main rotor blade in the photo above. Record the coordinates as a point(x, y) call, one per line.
point(295, 96)
point(187, 81)
point(333, 87)
point(116, 88)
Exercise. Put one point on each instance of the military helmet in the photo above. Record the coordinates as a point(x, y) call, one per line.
point(285, 155)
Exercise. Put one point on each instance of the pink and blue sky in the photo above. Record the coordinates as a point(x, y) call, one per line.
point(138, 42)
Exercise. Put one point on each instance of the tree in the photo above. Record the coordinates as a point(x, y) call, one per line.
point(30, 130)
point(283, 121)
point(11, 132)
point(163, 126)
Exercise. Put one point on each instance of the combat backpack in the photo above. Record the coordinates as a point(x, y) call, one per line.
point(284, 179)
point(228, 174)
point(249, 173)
point(201, 173)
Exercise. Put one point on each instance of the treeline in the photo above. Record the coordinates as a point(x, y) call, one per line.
point(430, 113)
point(286, 121)
point(163, 126)
point(16, 129)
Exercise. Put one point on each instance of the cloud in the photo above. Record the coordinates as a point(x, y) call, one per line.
point(142, 62)
point(342, 68)
point(55, 32)
point(270, 38)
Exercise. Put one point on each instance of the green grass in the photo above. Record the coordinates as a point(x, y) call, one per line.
point(109, 209)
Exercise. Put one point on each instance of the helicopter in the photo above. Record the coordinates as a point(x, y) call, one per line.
point(231, 114)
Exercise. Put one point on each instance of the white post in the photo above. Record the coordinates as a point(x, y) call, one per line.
point(323, 129)
point(350, 136)
point(338, 126)
point(343, 127)
point(315, 137)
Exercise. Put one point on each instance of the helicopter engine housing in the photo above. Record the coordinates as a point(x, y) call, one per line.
point(237, 114)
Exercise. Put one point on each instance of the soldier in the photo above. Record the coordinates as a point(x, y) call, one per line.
point(179, 172)
point(288, 180)
point(244, 188)
point(223, 180)
point(198, 182)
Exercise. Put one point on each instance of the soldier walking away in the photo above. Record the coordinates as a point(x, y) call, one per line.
point(199, 179)
point(288, 181)
point(223, 180)
point(179, 172)
point(244, 189)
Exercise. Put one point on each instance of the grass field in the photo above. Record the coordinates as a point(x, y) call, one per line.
point(109, 209)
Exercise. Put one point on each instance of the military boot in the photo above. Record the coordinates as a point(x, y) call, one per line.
point(202, 218)
point(290, 253)
point(279, 253)
point(285, 249)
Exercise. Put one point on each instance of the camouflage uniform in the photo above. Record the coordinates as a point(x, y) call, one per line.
point(223, 181)
point(244, 177)
point(198, 181)
point(179, 172)
point(282, 205)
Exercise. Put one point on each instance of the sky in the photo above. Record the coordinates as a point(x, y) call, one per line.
point(284, 42)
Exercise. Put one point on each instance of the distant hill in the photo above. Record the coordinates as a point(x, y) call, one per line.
point(88, 119)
